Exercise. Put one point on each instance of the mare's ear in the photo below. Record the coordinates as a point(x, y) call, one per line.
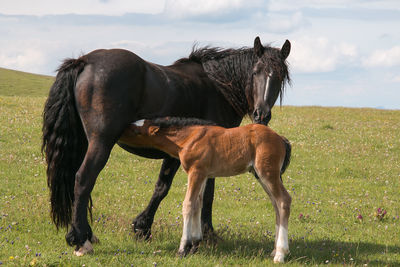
point(285, 50)
point(153, 130)
point(258, 47)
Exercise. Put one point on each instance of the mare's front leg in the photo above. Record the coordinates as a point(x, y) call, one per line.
point(80, 233)
point(206, 213)
point(142, 223)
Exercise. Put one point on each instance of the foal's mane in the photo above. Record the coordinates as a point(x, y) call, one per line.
point(232, 69)
point(178, 122)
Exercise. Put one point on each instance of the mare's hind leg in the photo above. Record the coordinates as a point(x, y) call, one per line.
point(142, 223)
point(272, 184)
point(81, 234)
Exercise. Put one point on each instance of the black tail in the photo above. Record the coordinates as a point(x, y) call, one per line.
point(286, 161)
point(64, 141)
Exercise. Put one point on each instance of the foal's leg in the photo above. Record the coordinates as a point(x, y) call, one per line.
point(189, 208)
point(277, 217)
point(142, 223)
point(81, 234)
point(197, 233)
point(272, 184)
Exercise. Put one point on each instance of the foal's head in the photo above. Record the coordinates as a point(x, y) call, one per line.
point(144, 128)
point(269, 76)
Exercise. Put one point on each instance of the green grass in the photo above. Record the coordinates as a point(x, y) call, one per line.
point(17, 83)
point(345, 162)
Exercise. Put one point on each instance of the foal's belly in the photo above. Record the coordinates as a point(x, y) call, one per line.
point(226, 168)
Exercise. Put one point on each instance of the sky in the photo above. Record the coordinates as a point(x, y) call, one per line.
point(344, 52)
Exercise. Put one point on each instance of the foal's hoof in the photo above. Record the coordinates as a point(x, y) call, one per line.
point(87, 248)
point(185, 251)
point(279, 256)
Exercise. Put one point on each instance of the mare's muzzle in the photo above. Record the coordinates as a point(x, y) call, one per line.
point(261, 117)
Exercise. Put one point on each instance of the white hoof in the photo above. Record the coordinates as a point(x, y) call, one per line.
point(273, 253)
point(279, 258)
point(87, 248)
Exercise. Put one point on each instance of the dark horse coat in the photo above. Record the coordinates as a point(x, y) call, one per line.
point(95, 97)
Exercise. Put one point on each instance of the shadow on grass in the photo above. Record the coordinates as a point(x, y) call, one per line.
point(312, 252)
point(301, 252)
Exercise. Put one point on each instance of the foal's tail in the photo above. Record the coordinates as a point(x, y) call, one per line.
point(64, 141)
point(286, 161)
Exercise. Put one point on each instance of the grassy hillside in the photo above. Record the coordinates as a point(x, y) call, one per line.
point(345, 165)
point(17, 83)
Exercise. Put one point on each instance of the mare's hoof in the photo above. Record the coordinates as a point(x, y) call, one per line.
point(141, 230)
point(87, 248)
point(195, 247)
point(142, 234)
point(211, 238)
point(94, 239)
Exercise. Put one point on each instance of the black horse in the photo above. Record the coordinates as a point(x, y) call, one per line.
point(95, 97)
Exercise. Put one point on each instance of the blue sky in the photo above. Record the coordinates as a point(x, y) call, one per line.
point(344, 53)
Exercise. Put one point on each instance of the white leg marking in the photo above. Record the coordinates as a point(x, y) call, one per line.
point(187, 226)
point(276, 238)
point(282, 246)
point(197, 233)
point(87, 248)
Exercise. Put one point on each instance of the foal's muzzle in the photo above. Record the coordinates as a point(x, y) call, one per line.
point(261, 117)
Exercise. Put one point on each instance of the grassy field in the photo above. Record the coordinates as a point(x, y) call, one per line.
point(345, 166)
point(17, 83)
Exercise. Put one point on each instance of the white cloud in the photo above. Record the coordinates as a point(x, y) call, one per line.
point(384, 58)
point(21, 57)
point(106, 7)
point(396, 79)
point(280, 23)
point(320, 54)
point(298, 4)
point(187, 8)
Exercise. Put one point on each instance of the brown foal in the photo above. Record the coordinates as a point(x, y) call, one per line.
point(211, 151)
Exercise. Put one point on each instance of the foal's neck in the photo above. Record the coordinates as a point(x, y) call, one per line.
point(171, 140)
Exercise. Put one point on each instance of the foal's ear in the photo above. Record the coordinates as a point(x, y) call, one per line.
point(258, 47)
point(153, 130)
point(285, 50)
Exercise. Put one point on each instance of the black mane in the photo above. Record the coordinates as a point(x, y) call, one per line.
point(231, 70)
point(168, 122)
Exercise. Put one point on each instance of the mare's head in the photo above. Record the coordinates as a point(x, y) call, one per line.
point(269, 76)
